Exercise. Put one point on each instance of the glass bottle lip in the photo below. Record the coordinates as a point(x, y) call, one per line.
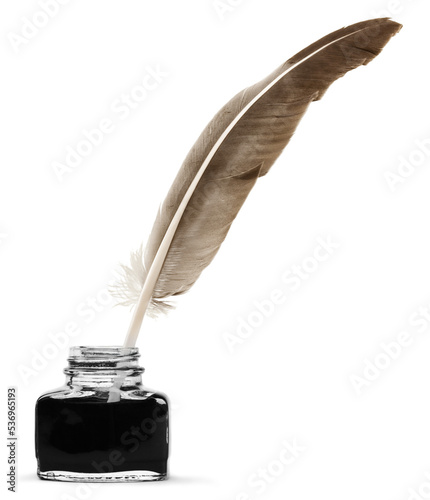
point(102, 352)
point(103, 360)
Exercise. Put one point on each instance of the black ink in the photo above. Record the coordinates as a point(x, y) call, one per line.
point(90, 435)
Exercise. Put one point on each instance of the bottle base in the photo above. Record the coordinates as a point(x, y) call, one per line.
point(108, 477)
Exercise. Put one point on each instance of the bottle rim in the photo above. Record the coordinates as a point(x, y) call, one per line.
point(103, 361)
point(102, 352)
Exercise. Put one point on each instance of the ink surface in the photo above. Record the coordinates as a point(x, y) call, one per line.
point(90, 435)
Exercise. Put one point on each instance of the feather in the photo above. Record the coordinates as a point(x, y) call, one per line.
point(237, 147)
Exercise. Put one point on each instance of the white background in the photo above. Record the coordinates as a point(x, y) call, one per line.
point(291, 378)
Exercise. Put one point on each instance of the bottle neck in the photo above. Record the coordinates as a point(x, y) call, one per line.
point(103, 366)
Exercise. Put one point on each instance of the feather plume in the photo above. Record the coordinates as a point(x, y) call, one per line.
point(237, 147)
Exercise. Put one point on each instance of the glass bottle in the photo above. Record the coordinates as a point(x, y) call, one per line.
point(103, 425)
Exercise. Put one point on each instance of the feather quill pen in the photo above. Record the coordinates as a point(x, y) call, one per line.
point(237, 147)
